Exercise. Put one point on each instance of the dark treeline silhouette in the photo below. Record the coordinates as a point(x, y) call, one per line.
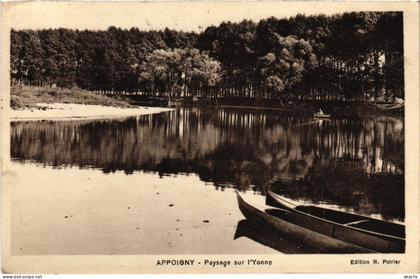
point(350, 56)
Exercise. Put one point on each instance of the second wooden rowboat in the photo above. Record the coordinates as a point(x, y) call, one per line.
point(373, 234)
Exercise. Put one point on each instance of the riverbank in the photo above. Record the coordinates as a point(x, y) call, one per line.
point(46, 103)
point(29, 102)
point(59, 111)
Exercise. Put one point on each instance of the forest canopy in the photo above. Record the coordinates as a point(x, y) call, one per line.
point(350, 56)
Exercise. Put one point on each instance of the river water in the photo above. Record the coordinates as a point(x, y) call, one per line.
point(164, 183)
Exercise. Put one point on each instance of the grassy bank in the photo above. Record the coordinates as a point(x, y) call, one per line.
point(23, 97)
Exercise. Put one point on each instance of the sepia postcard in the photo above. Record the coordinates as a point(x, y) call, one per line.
point(209, 137)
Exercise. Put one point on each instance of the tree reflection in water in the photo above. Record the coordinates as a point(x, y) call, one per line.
point(354, 163)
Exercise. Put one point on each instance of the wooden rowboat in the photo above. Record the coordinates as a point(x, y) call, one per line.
point(372, 234)
point(283, 221)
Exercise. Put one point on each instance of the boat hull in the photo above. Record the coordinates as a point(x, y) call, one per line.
point(373, 241)
point(321, 115)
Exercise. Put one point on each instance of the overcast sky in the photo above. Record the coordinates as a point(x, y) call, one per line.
point(186, 16)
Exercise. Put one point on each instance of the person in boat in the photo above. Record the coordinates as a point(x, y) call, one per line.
point(320, 112)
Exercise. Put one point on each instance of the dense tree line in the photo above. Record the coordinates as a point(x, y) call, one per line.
point(341, 57)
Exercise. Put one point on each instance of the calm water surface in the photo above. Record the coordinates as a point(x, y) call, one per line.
point(356, 165)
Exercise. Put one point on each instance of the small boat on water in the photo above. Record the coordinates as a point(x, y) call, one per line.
point(288, 223)
point(373, 234)
point(321, 115)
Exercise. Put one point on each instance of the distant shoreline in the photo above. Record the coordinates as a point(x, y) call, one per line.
point(45, 103)
point(341, 110)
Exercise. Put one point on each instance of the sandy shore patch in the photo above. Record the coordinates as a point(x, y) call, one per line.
point(59, 111)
